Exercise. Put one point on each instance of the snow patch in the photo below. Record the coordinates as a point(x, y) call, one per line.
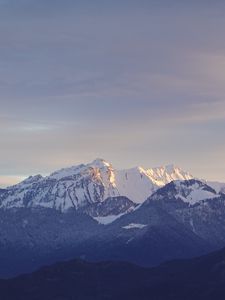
point(134, 225)
point(108, 219)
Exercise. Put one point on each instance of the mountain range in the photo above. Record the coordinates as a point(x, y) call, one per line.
point(90, 187)
point(94, 212)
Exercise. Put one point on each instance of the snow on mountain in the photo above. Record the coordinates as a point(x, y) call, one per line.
point(138, 184)
point(74, 187)
point(193, 191)
point(83, 186)
point(108, 219)
point(189, 191)
point(134, 226)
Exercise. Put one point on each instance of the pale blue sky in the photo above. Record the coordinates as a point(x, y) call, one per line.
point(134, 82)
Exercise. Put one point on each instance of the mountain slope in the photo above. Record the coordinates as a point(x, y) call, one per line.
point(138, 183)
point(85, 185)
point(197, 279)
point(164, 227)
point(197, 206)
point(189, 191)
point(32, 237)
point(45, 219)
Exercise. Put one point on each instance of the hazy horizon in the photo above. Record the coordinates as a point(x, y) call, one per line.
point(11, 180)
point(133, 82)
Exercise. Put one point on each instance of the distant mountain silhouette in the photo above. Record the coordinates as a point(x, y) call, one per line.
point(201, 278)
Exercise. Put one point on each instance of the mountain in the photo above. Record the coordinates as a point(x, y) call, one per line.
point(138, 184)
point(189, 191)
point(201, 278)
point(85, 187)
point(181, 220)
point(32, 237)
point(113, 206)
point(164, 227)
point(59, 217)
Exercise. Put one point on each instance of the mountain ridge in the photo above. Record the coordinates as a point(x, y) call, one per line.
point(196, 279)
point(83, 185)
point(89, 185)
point(164, 227)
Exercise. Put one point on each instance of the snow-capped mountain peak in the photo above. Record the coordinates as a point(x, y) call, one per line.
point(97, 164)
point(189, 191)
point(139, 183)
point(87, 184)
point(67, 172)
point(100, 163)
point(169, 173)
point(193, 191)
